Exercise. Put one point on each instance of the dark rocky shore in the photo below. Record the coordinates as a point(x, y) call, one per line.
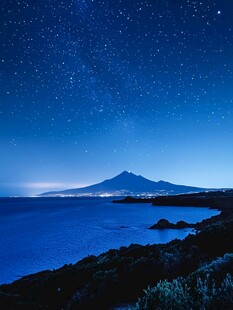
point(221, 200)
point(190, 274)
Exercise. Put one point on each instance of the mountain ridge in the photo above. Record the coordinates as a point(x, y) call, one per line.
point(124, 184)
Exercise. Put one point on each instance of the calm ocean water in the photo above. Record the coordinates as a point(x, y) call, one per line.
point(46, 233)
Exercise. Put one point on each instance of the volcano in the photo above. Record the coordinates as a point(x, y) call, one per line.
point(124, 184)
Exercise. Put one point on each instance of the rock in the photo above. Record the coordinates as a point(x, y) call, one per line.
point(182, 224)
point(161, 224)
point(164, 224)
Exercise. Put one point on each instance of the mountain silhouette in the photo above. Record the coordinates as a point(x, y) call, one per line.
point(124, 184)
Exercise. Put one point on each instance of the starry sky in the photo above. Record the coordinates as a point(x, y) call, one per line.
point(89, 88)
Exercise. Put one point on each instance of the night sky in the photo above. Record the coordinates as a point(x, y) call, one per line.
point(89, 88)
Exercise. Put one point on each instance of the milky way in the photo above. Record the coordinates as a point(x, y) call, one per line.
point(89, 88)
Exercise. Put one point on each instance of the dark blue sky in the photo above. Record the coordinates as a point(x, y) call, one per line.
point(89, 88)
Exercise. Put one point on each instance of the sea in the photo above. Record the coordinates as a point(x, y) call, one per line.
point(45, 233)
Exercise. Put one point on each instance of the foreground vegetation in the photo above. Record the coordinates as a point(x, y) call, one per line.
point(195, 273)
point(209, 287)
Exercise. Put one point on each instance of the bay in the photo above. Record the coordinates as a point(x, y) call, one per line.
point(46, 233)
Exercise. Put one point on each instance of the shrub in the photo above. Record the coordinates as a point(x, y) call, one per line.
point(178, 295)
point(205, 293)
point(165, 296)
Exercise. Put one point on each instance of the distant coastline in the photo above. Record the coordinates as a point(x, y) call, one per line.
point(221, 200)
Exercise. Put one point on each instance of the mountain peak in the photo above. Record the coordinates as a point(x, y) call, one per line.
point(127, 183)
point(125, 175)
point(126, 172)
